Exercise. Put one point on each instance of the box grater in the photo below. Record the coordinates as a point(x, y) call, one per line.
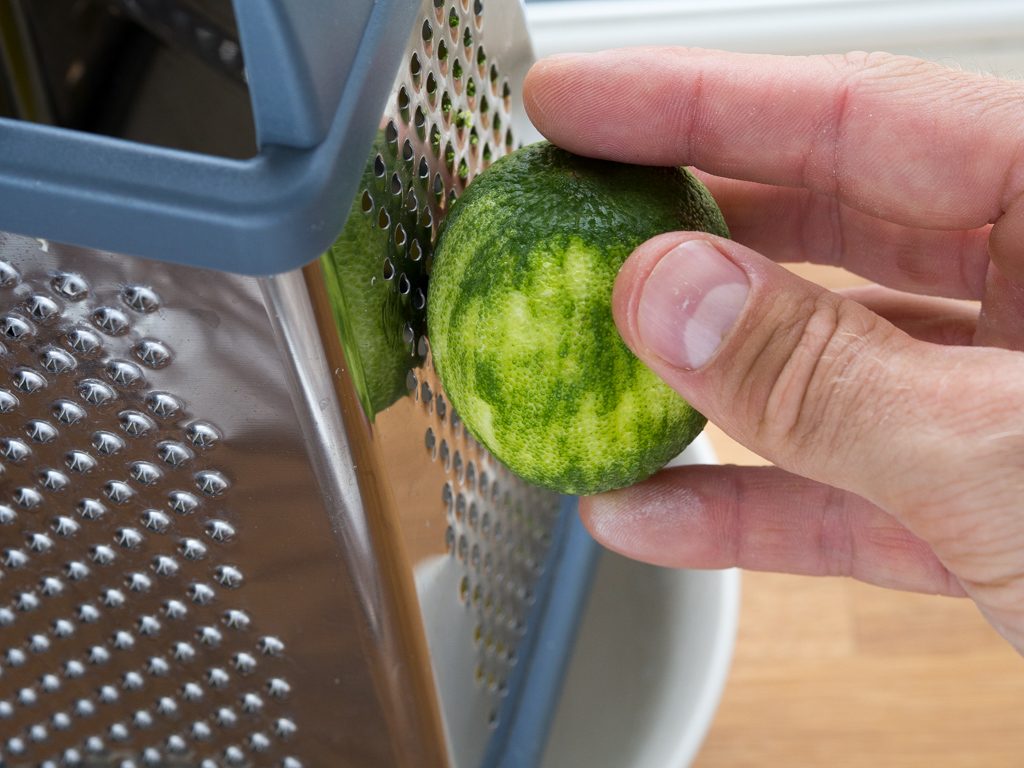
point(209, 554)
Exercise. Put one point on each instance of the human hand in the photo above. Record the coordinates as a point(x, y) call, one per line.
point(895, 418)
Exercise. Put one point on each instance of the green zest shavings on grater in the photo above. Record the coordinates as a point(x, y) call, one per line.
point(520, 317)
point(375, 277)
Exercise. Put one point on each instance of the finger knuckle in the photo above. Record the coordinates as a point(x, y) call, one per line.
point(816, 378)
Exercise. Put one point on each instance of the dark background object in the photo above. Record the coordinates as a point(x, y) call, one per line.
point(163, 72)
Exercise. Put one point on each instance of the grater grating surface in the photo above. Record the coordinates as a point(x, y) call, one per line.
point(477, 535)
point(180, 582)
point(157, 566)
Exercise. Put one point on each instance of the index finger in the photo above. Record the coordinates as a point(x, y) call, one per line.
point(898, 138)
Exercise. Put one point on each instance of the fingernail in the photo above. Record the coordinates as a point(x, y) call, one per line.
point(689, 303)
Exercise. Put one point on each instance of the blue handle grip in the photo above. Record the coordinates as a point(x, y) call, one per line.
point(298, 53)
point(319, 72)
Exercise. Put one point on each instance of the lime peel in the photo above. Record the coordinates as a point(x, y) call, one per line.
point(520, 319)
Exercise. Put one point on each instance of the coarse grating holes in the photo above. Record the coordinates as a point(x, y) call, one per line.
point(183, 502)
point(148, 626)
point(70, 286)
point(51, 586)
point(251, 703)
point(113, 598)
point(209, 635)
point(83, 341)
point(153, 353)
point(114, 368)
point(210, 482)
point(110, 320)
point(95, 392)
point(13, 558)
point(107, 443)
point(135, 423)
point(145, 472)
point(202, 434)
point(39, 542)
point(118, 491)
point(75, 570)
point(56, 360)
point(9, 276)
point(15, 328)
point(28, 381)
point(201, 594)
point(65, 526)
point(41, 308)
point(219, 530)
point(166, 706)
point(183, 651)
point(200, 731)
point(164, 565)
point(141, 298)
point(175, 609)
point(90, 509)
point(52, 479)
point(27, 498)
point(164, 404)
point(228, 576)
point(67, 412)
point(236, 619)
point(244, 662)
point(138, 582)
point(174, 453)
point(155, 520)
point(8, 401)
point(271, 646)
point(192, 549)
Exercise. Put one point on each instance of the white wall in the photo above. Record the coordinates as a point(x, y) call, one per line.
point(982, 35)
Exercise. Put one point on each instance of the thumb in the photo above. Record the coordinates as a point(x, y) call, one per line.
point(808, 379)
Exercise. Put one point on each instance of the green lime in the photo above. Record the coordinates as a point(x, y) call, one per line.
point(520, 320)
point(376, 278)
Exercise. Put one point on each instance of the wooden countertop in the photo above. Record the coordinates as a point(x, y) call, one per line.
point(831, 672)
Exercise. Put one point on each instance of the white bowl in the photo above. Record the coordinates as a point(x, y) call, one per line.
point(650, 662)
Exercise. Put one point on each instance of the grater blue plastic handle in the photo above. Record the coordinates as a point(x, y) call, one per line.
point(319, 72)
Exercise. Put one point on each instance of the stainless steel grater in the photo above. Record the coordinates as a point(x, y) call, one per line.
point(209, 555)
